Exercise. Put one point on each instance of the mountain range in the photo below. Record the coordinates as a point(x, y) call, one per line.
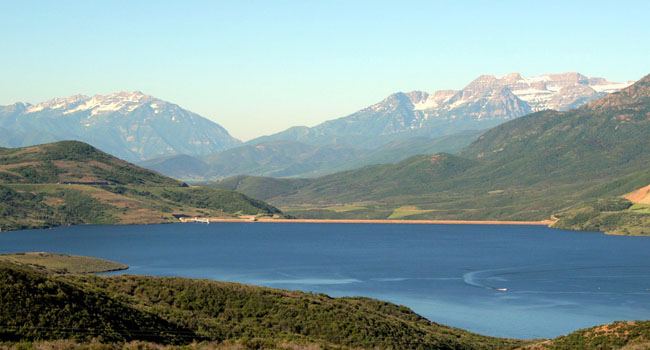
point(166, 138)
point(129, 125)
point(402, 125)
point(525, 169)
point(485, 102)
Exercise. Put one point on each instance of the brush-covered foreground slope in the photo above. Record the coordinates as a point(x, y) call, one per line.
point(35, 305)
point(525, 169)
point(71, 182)
point(622, 335)
point(41, 306)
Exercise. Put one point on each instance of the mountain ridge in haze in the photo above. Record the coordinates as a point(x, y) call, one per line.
point(296, 159)
point(130, 125)
point(443, 121)
point(485, 102)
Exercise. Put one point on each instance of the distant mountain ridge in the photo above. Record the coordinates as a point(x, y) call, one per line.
point(400, 126)
point(485, 102)
point(130, 125)
point(295, 159)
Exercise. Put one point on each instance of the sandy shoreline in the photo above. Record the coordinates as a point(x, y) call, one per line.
point(386, 221)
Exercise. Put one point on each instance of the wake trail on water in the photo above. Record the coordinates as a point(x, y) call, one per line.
point(471, 278)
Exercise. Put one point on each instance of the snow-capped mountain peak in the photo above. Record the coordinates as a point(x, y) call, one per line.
point(130, 125)
point(122, 101)
point(485, 102)
point(547, 91)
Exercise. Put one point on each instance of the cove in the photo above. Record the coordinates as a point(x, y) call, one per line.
point(499, 280)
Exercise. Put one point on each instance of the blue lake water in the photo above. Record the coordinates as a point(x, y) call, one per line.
point(512, 281)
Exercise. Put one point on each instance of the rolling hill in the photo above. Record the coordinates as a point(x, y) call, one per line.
point(70, 182)
point(72, 161)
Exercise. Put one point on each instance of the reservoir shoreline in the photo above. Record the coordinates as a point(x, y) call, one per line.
point(387, 221)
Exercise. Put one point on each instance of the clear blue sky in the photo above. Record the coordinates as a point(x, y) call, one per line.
point(258, 67)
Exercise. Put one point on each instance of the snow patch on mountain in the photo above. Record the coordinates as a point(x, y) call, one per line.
point(547, 91)
point(611, 87)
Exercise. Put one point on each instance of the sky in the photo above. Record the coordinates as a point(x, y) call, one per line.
point(259, 67)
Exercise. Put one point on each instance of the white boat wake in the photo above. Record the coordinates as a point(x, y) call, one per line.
point(472, 279)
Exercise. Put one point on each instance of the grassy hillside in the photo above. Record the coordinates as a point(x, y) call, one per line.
point(47, 205)
point(37, 305)
point(72, 161)
point(262, 187)
point(426, 187)
point(627, 215)
point(62, 263)
point(70, 183)
point(525, 169)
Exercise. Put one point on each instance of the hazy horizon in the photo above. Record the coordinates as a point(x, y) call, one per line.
point(259, 68)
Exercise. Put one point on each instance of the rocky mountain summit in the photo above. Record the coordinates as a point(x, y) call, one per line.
point(485, 102)
point(130, 125)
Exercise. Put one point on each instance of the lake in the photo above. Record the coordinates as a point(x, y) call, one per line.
point(510, 281)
